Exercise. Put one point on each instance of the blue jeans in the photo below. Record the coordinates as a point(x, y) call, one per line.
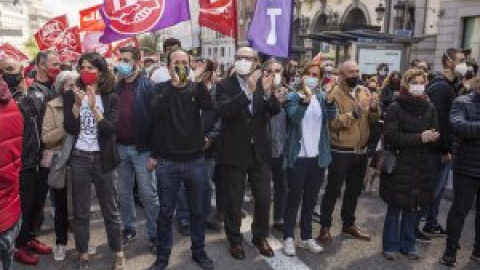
point(304, 183)
point(134, 163)
point(182, 212)
point(170, 176)
point(399, 230)
point(7, 246)
point(441, 173)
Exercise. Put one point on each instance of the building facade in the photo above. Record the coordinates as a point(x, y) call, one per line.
point(38, 15)
point(14, 26)
point(459, 27)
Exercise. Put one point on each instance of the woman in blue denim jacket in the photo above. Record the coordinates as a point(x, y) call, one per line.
point(307, 155)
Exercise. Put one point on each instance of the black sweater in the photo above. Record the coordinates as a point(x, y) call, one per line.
point(442, 93)
point(177, 125)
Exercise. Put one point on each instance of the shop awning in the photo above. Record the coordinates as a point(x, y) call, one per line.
point(345, 37)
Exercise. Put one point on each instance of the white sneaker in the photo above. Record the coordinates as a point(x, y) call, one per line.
point(311, 245)
point(92, 250)
point(59, 253)
point(289, 247)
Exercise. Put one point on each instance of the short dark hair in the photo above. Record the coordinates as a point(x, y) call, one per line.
point(169, 56)
point(271, 61)
point(170, 42)
point(106, 80)
point(41, 57)
point(414, 62)
point(474, 65)
point(382, 65)
point(133, 50)
point(450, 54)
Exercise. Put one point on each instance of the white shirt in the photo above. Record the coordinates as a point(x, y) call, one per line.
point(244, 85)
point(88, 137)
point(311, 129)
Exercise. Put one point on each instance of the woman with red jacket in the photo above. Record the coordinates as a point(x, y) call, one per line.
point(11, 125)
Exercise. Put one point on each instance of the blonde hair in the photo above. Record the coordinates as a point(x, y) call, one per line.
point(412, 73)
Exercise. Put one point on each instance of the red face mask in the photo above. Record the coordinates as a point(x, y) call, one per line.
point(52, 73)
point(88, 77)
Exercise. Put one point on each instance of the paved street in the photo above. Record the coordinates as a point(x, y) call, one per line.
point(342, 254)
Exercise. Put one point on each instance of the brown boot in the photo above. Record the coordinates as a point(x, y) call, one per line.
point(325, 237)
point(355, 232)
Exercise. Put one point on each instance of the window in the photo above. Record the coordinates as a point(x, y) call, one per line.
point(222, 52)
point(471, 39)
point(209, 52)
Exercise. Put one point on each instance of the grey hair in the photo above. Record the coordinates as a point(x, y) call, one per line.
point(62, 78)
point(271, 61)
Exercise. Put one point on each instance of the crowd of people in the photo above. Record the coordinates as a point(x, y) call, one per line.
point(172, 136)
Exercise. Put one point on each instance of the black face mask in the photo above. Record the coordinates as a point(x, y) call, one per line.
point(12, 80)
point(352, 82)
point(469, 75)
point(183, 72)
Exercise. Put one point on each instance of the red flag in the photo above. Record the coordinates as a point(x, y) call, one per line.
point(91, 43)
point(10, 51)
point(50, 31)
point(90, 19)
point(68, 45)
point(129, 42)
point(203, 3)
point(220, 16)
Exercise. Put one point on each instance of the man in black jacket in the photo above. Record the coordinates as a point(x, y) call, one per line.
point(178, 145)
point(442, 91)
point(465, 121)
point(246, 105)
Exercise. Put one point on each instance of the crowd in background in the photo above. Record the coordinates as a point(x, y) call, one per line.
point(171, 136)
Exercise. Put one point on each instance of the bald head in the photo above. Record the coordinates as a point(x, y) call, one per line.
point(11, 65)
point(350, 73)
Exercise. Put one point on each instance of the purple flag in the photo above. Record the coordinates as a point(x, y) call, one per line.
point(270, 30)
point(125, 18)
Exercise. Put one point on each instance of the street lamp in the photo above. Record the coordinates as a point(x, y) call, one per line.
point(380, 10)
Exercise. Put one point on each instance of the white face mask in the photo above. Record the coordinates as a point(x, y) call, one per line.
point(277, 80)
point(243, 67)
point(461, 69)
point(416, 89)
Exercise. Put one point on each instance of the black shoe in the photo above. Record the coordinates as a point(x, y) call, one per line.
point(475, 256)
point(203, 260)
point(421, 237)
point(159, 265)
point(183, 228)
point(449, 257)
point(436, 231)
point(128, 237)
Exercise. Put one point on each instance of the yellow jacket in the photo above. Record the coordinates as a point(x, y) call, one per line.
point(350, 131)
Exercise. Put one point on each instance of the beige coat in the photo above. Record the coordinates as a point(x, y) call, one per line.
point(346, 131)
point(52, 127)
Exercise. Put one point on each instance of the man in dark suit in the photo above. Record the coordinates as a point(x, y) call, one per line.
point(246, 105)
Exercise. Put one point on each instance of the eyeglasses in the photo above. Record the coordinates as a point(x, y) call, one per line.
point(270, 71)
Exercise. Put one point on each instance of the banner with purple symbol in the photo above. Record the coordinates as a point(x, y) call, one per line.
point(126, 18)
point(270, 29)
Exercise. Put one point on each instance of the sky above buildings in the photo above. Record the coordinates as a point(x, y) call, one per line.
point(69, 7)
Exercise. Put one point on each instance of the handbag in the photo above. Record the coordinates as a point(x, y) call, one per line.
point(385, 161)
point(59, 168)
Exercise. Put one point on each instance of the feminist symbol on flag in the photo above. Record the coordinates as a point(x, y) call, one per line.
point(130, 17)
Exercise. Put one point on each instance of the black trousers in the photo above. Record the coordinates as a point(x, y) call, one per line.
point(33, 192)
point(279, 178)
point(465, 190)
point(349, 168)
point(233, 184)
point(61, 214)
